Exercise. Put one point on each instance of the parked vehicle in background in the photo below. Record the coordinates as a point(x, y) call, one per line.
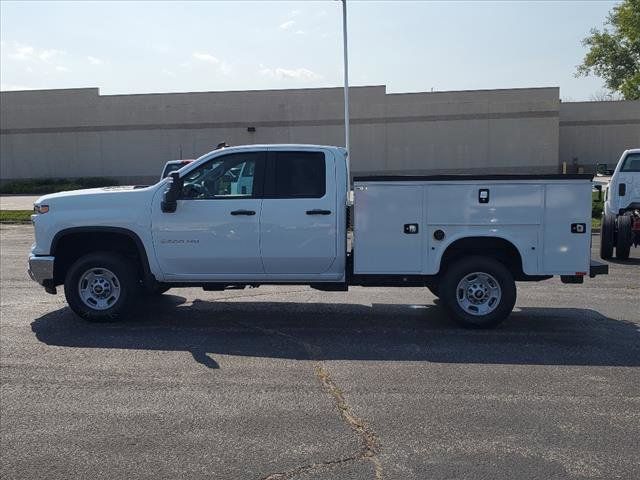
point(173, 166)
point(621, 218)
point(241, 217)
point(603, 170)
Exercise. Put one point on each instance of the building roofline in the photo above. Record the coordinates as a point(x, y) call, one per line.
point(477, 91)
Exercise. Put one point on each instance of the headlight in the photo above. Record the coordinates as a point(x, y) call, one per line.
point(40, 208)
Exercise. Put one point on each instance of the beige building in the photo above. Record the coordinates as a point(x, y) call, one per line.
point(78, 132)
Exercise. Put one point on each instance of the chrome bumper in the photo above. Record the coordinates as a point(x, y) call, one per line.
point(41, 270)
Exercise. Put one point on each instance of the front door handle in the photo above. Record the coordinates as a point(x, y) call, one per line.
point(318, 212)
point(243, 212)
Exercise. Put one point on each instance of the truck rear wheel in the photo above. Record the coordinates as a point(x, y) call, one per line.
point(478, 292)
point(624, 237)
point(100, 287)
point(607, 236)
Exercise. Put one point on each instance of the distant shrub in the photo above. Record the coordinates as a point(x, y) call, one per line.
point(52, 185)
point(597, 206)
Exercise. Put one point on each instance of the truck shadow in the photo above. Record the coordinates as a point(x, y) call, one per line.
point(338, 331)
point(628, 261)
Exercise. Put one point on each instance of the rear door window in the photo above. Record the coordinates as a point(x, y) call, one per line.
point(296, 175)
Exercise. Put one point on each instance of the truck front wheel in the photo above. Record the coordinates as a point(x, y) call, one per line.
point(478, 292)
point(607, 236)
point(624, 238)
point(100, 287)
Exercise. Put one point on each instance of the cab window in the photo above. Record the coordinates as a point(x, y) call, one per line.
point(296, 175)
point(631, 163)
point(230, 176)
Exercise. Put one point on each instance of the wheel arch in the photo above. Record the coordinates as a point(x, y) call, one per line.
point(494, 246)
point(71, 243)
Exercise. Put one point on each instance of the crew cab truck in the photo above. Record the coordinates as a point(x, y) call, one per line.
point(621, 216)
point(279, 214)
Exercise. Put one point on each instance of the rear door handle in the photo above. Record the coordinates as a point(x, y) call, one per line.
point(318, 212)
point(243, 212)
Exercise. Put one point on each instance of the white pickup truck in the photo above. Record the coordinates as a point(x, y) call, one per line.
point(621, 216)
point(280, 214)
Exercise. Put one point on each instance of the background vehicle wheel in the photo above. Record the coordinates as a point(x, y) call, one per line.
point(479, 292)
point(434, 289)
point(100, 287)
point(607, 235)
point(624, 238)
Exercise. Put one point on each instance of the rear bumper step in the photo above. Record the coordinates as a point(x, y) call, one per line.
point(598, 268)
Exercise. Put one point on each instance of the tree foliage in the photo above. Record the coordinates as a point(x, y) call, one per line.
point(615, 55)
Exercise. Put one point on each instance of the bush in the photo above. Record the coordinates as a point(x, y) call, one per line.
point(597, 206)
point(52, 185)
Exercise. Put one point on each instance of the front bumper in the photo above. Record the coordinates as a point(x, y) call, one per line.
point(41, 271)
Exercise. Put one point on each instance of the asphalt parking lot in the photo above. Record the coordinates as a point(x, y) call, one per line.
point(278, 382)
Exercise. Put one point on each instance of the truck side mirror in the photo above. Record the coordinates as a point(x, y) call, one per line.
point(172, 193)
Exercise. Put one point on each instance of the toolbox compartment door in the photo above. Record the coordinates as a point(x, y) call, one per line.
point(386, 220)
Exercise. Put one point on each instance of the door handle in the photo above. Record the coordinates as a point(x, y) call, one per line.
point(318, 212)
point(243, 212)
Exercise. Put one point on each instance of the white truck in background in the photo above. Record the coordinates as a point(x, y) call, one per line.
point(621, 216)
point(279, 214)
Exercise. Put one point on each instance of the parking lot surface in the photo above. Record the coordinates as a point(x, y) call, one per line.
point(289, 382)
point(17, 202)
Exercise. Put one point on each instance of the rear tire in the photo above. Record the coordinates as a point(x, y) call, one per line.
point(478, 292)
point(624, 237)
point(607, 236)
point(100, 287)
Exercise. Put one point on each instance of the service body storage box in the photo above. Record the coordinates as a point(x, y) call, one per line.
point(404, 225)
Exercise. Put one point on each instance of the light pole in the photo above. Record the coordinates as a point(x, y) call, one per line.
point(346, 80)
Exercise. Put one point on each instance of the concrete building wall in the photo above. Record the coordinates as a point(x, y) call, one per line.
point(598, 132)
point(78, 132)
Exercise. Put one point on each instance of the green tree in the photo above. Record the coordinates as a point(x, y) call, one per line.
point(614, 55)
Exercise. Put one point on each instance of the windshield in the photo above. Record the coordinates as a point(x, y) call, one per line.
point(631, 163)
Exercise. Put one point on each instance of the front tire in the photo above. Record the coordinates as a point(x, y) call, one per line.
point(157, 290)
point(625, 237)
point(607, 236)
point(100, 287)
point(478, 292)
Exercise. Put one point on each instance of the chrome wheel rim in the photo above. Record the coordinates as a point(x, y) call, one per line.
point(99, 288)
point(478, 293)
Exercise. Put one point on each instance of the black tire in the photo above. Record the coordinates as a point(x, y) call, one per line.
point(157, 290)
point(624, 237)
point(435, 290)
point(124, 278)
point(464, 267)
point(607, 236)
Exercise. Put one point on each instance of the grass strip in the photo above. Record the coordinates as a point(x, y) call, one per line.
point(15, 216)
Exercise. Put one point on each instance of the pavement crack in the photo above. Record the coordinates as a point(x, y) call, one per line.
point(370, 445)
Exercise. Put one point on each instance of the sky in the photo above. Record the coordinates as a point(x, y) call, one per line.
point(409, 46)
